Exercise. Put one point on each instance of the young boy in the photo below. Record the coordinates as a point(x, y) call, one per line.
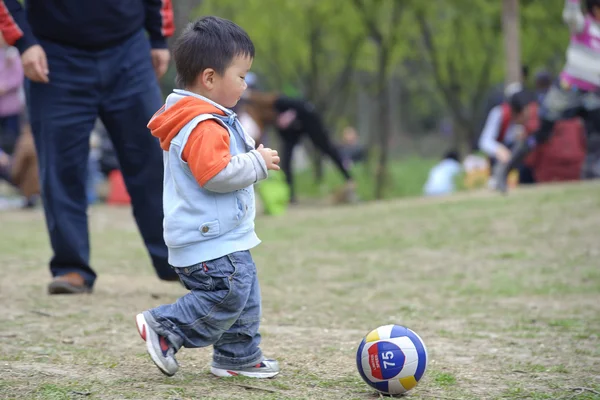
point(578, 90)
point(210, 167)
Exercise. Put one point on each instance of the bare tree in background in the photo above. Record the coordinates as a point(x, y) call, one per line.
point(183, 10)
point(386, 42)
point(512, 48)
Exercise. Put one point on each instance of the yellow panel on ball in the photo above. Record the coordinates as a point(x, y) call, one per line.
point(408, 382)
point(372, 336)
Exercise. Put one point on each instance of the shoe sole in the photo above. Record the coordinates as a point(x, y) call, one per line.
point(142, 325)
point(62, 287)
point(224, 373)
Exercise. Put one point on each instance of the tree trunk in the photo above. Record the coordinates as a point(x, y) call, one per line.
point(384, 121)
point(314, 40)
point(182, 9)
point(512, 48)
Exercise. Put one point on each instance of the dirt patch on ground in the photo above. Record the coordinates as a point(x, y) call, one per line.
point(504, 291)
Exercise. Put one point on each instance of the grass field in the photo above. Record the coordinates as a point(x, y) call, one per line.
point(406, 178)
point(505, 292)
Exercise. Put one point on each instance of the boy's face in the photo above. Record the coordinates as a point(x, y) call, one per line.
point(227, 89)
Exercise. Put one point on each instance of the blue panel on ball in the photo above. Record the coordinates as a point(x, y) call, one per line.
point(398, 331)
point(391, 359)
point(381, 386)
point(359, 361)
point(421, 354)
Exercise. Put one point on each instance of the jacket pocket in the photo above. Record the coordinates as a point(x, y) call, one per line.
point(243, 199)
point(210, 229)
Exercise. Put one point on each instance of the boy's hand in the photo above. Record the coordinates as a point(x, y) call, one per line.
point(270, 156)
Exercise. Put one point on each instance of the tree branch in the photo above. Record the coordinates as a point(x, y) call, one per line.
point(432, 53)
point(395, 18)
point(483, 80)
point(345, 75)
point(369, 21)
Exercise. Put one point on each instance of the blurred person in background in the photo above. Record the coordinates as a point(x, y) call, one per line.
point(87, 60)
point(543, 83)
point(11, 96)
point(442, 177)
point(505, 125)
point(577, 92)
point(294, 119)
point(350, 149)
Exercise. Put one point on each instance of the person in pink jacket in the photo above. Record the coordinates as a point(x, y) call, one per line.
point(11, 95)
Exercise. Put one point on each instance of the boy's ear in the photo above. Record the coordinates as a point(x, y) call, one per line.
point(208, 77)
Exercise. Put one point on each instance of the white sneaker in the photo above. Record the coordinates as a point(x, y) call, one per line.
point(159, 348)
point(265, 369)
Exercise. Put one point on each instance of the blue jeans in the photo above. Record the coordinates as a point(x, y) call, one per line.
point(223, 308)
point(118, 85)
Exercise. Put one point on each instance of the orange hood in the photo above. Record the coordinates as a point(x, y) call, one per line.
point(177, 111)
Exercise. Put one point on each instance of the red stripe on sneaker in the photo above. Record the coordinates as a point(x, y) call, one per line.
point(232, 373)
point(164, 346)
point(142, 332)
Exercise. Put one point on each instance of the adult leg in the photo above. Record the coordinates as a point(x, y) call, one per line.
point(62, 114)
point(289, 142)
point(130, 97)
point(591, 116)
point(320, 138)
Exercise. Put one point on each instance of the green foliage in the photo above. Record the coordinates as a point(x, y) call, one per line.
point(406, 178)
point(289, 35)
point(447, 54)
point(306, 44)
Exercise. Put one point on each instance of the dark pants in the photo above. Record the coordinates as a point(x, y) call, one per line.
point(9, 132)
point(312, 126)
point(119, 86)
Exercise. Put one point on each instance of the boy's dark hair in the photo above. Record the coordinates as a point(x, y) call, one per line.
point(210, 42)
point(590, 4)
point(520, 100)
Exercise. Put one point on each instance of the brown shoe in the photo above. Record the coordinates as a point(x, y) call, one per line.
point(71, 283)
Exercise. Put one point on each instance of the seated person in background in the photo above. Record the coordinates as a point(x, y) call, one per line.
point(442, 176)
point(505, 125)
point(351, 150)
point(562, 157)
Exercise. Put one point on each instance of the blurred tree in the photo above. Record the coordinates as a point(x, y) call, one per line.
point(444, 53)
point(462, 43)
point(182, 9)
point(312, 45)
point(512, 40)
point(381, 19)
